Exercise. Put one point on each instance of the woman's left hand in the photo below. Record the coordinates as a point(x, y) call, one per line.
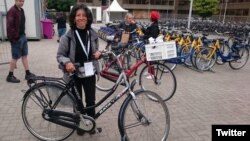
point(96, 55)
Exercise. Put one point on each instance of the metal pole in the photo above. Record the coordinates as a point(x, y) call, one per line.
point(190, 13)
point(1, 25)
point(109, 11)
point(220, 9)
point(167, 9)
point(225, 12)
point(5, 3)
point(148, 8)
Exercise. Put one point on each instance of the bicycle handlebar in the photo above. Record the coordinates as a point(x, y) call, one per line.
point(121, 29)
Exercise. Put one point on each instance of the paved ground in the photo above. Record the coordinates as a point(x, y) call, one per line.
point(201, 99)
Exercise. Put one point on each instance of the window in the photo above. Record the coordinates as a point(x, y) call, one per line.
point(88, 1)
point(245, 12)
point(152, 2)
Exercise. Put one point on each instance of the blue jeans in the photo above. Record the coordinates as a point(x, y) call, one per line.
point(19, 48)
point(61, 31)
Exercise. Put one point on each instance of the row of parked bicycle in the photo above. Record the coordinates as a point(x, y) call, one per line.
point(205, 26)
point(238, 29)
point(195, 51)
point(202, 53)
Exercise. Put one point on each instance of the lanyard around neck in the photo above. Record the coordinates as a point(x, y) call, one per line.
point(83, 47)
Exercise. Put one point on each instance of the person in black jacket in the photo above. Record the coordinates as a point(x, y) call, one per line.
point(128, 25)
point(153, 30)
point(61, 25)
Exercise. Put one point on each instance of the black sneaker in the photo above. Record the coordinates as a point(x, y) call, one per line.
point(28, 76)
point(12, 79)
point(80, 132)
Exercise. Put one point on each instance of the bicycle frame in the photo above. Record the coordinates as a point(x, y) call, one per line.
point(114, 77)
point(122, 78)
point(226, 58)
point(181, 59)
point(216, 49)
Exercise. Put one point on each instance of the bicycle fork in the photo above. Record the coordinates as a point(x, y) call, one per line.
point(138, 114)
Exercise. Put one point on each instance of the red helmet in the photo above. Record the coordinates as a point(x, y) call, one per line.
point(154, 16)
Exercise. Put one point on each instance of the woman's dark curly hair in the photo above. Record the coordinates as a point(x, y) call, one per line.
point(73, 15)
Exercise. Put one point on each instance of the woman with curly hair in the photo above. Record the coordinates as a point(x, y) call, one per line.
point(80, 45)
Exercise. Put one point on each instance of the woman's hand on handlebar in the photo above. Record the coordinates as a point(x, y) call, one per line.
point(97, 55)
point(70, 67)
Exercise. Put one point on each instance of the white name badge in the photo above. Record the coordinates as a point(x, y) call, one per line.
point(89, 69)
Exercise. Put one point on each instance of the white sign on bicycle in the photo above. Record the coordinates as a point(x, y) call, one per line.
point(161, 51)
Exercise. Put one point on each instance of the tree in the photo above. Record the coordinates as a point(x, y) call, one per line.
point(205, 8)
point(61, 5)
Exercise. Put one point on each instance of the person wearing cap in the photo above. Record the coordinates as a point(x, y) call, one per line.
point(153, 30)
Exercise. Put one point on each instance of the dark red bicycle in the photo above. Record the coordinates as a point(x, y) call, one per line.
point(153, 75)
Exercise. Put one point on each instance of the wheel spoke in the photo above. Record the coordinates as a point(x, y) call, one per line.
point(133, 125)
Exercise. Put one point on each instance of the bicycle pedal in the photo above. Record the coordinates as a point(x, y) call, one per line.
point(96, 131)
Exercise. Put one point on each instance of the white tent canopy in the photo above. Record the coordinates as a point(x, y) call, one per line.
point(114, 11)
point(115, 7)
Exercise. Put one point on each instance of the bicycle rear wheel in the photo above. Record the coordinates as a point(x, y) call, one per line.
point(241, 60)
point(38, 98)
point(143, 119)
point(160, 78)
point(204, 61)
point(225, 49)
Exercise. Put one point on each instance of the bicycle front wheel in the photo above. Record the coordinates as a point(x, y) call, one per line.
point(172, 66)
point(107, 78)
point(40, 97)
point(144, 119)
point(241, 60)
point(160, 78)
point(185, 51)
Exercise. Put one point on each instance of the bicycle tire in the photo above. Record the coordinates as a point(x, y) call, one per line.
point(243, 58)
point(136, 53)
point(193, 56)
point(104, 84)
point(143, 118)
point(160, 78)
point(202, 62)
point(230, 41)
point(46, 93)
point(184, 51)
point(172, 66)
point(225, 49)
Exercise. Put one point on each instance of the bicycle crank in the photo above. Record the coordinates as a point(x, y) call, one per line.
point(87, 123)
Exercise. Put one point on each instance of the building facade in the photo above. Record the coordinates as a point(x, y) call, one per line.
point(235, 9)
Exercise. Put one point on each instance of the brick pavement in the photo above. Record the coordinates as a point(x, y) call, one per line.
point(202, 99)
